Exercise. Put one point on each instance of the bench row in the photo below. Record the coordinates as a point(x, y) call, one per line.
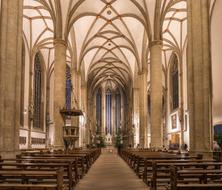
point(154, 169)
point(25, 171)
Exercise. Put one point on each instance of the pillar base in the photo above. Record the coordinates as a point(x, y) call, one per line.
point(9, 154)
point(59, 147)
point(206, 154)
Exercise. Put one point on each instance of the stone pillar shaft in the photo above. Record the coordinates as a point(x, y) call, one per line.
point(136, 115)
point(199, 76)
point(156, 94)
point(10, 75)
point(59, 90)
point(143, 108)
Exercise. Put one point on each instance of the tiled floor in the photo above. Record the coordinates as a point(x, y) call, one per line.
point(110, 172)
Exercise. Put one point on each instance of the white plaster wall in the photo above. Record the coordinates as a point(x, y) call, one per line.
point(38, 135)
point(216, 50)
point(23, 133)
point(186, 135)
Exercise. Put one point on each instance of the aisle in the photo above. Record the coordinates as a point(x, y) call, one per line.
point(110, 172)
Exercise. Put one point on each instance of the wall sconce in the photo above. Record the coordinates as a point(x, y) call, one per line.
point(25, 111)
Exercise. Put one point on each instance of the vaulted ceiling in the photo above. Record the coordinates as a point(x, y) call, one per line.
point(108, 40)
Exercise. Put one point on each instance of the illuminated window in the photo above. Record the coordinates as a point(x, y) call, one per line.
point(99, 110)
point(108, 111)
point(68, 87)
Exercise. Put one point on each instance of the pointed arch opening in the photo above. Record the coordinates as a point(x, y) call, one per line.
point(174, 83)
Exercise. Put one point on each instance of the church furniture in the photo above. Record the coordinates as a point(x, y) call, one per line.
point(31, 180)
point(208, 179)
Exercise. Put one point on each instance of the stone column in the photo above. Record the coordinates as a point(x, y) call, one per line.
point(199, 77)
point(136, 115)
point(59, 90)
point(10, 75)
point(83, 107)
point(156, 94)
point(142, 82)
point(122, 120)
point(103, 127)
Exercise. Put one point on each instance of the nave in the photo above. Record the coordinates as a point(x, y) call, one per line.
point(98, 169)
point(110, 172)
point(77, 76)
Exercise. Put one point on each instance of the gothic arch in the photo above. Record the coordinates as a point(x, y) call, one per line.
point(38, 91)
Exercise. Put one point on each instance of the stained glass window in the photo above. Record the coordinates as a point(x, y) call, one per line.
point(68, 87)
point(175, 83)
point(99, 110)
point(108, 112)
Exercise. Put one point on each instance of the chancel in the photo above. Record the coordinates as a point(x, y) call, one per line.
point(110, 94)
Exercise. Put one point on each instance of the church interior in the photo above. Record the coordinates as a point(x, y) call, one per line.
point(121, 91)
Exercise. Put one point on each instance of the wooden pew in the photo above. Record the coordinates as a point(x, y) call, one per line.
point(139, 163)
point(70, 174)
point(81, 161)
point(31, 180)
point(84, 158)
point(154, 167)
point(75, 163)
point(177, 177)
point(89, 156)
point(158, 170)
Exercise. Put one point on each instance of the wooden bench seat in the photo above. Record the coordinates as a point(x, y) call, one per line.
point(33, 169)
point(154, 167)
point(192, 186)
point(178, 177)
point(70, 173)
point(158, 172)
point(16, 186)
point(81, 165)
point(82, 160)
point(25, 179)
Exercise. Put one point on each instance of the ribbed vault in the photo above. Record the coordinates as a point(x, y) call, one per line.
point(108, 40)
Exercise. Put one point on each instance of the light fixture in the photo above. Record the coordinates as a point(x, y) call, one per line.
point(109, 12)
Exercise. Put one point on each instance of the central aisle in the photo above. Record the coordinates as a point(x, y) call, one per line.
point(110, 172)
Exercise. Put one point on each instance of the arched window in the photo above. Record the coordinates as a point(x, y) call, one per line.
point(37, 91)
point(99, 110)
point(108, 112)
point(174, 79)
point(68, 87)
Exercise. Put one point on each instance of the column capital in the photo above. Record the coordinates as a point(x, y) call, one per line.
point(144, 71)
point(60, 41)
point(155, 42)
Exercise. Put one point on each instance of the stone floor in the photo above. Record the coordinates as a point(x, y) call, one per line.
point(110, 172)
